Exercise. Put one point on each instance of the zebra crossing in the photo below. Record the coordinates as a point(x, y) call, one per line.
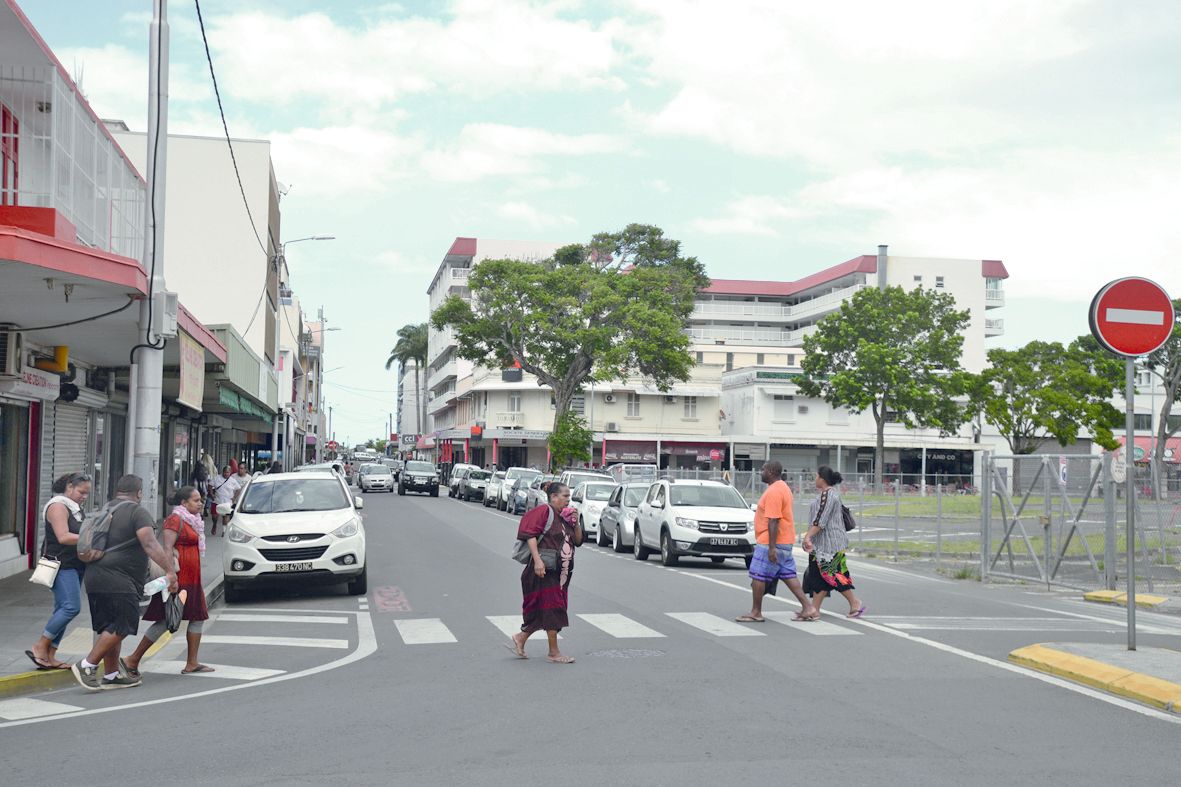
point(434, 631)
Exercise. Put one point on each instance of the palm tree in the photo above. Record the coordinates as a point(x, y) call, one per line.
point(412, 346)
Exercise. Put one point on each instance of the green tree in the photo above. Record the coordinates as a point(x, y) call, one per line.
point(1165, 365)
point(570, 441)
point(609, 309)
point(894, 352)
point(1044, 391)
point(412, 346)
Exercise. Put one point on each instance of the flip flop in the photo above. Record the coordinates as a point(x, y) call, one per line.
point(519, 652)
point(749, 619)
point(198, 668)
point(805, 618)
point(42, 664)
point(131, 673)
point(860, 611)
point(560, 659)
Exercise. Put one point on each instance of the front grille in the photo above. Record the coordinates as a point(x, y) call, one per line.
point(716, 527)
point(289, 555)
point(300, 536)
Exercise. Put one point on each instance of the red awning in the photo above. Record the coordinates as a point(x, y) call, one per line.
point(1143, 448)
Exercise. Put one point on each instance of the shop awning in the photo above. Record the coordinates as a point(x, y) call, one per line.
point(309, 439)
point(1143, 448)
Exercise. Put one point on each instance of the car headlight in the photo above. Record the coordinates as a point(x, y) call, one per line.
point(521, 495)
point(689, 523)
point(350, 528)
point(629, 516)
point(238, 535)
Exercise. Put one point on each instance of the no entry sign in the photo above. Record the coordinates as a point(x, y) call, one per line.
point(1132, 316)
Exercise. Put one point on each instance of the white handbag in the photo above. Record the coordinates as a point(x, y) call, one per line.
point(46, 571)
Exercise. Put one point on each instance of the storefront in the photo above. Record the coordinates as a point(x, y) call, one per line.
point(641, 451)
point(694, 456)
point(21, 401)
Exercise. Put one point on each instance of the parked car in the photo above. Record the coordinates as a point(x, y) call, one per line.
point(618, 520)
point(626, 473)
point(296, 528)
point(574, 478)
point(510, 486)
point(492, 489)
point(458, 471)
point(473, 485)
point(534, 495)
point(419, 476)
point(588, 500)
point(373, 477)
point(395, 466)
point(694, 518)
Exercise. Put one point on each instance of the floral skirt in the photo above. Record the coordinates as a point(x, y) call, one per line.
point(827, 576)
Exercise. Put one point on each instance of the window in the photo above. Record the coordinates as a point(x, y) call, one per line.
point(9, 156)
point(759, 359)
point(729, 362)
point(784, 407)
point(633, 404)
point(514, 403)
point(791, 359)
point(1143, 422)
point(891, 417)
point(578, 405)
point(690, 406)
point(939, 282)
point(918, 280)
point(700, 357)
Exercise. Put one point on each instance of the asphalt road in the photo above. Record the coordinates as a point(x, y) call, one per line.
point(411, 684)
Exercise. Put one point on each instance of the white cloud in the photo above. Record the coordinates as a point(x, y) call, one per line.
point(525, 213)
point(751, 215)
point(396, 262)
point(485, 149)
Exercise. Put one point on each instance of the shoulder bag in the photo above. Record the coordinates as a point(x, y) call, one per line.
point(549, 557)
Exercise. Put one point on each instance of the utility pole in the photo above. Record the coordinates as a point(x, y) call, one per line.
point(147, 367)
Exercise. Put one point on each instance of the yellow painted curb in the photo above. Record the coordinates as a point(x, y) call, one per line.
point(165, 638)
point(1152, 691)
point(1146, 600)
point(1102, 596)
point(24, 682)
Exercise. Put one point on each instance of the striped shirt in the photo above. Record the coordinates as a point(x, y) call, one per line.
point(825, 513)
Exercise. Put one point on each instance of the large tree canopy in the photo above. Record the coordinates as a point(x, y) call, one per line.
point(894, 352)
point(613, 308)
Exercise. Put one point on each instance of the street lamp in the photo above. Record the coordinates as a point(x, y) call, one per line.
point(280, 257)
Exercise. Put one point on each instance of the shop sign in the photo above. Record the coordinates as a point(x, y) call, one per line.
point(409, 440)
point(33, 384)
point(192, 372)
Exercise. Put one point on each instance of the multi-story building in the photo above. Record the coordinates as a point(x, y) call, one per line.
point(409, 407)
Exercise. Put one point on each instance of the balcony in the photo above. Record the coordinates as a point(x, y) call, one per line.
point(818, 307)
point(994, 327)
point(438, 342)
point(729, 334)
point(440, 402)
point(740, 311)
point(508, 419)
point(994, 299)
point(447, 371)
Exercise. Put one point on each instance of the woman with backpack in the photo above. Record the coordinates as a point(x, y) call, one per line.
point(826, 542)
point(63, 519)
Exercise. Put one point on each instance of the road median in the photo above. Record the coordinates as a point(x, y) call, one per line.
point(1149, 675)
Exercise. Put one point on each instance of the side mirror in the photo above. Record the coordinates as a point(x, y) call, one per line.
point(359, 503)
point(754, 506)
point(225, 509)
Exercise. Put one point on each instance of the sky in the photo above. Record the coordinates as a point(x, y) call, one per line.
point(772, 138)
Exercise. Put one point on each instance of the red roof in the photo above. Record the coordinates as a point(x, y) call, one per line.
point(462, 247)
point(866, 263)
point(994, 269)
point(1145, 446)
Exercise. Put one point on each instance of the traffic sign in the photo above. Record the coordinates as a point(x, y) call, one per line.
point(715, 454)
point(1132, 316)
point(332, 445)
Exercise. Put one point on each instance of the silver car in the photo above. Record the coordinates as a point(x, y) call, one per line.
point(492, 490)
point(374, 477)
point(617, 523)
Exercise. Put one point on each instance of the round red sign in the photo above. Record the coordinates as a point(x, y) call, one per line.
point(331, 445)
point(715, 454)
point(1132, 316)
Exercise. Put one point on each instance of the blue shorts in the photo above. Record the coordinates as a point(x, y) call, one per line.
point(764, 570)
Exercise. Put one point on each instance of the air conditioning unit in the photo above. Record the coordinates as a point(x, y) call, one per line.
point(670, 400)
point(612, 426)
point(609, 398)
point(12, 352)
point(802, 409)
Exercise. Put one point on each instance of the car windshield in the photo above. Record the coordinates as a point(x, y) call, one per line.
point(634, 495)
point(574, 479)
point(694, 495)
point(420, 467)
point(498, 476)
point(479, 475)
point(598, 491)
point(277, 497)
point(375, 470)
point(527, 475)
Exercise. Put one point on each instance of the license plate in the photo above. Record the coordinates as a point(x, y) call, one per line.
point(280, 567)
point(725, 542)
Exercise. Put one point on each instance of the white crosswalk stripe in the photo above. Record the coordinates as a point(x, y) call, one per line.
point(817, 628)
point(509, 624)
point(620, 626)
point(223, 671)
point(238, 617)
point(29, 708)
point(718, 626)
point(423, 631)
point(286, 642)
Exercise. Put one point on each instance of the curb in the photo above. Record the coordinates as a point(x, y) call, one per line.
point(1156, 692)
point(1146, 600)
point(38, 680)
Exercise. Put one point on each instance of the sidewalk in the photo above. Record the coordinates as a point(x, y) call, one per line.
point(1148, 675)
point(25, 607)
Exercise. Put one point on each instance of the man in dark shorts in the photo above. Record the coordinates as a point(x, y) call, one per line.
point(775, 534)
point(114, 586)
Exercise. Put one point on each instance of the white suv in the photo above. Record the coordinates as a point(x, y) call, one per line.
point(694, 519)
point(589, 500)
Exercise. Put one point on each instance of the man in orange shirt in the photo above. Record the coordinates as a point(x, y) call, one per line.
point(775, 534)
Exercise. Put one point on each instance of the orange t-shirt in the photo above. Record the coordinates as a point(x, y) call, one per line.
point(775, 504)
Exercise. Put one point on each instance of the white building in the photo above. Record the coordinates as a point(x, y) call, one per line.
point(409, 409)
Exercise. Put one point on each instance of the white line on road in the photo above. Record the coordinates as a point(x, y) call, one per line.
point(712, 624)
point(509, 624)
point(1136, 316)
point(816, 627)
point(620, 626)
point(225, 671)
point(238, 617)
point(423, 631)
point(286, 642)
point(29, 708)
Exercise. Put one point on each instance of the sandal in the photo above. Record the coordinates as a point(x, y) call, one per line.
point(198, 668)
point(858, 612)
point(802, 618)
point(128, 671)
point(560, 659)
point(749, 619)
point(43, 664)
point(516, 648)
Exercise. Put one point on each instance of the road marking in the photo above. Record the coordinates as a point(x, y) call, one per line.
point(424, 631)
point(224, 671)
point(938, 623)
point(815, 627)
point(295, 611)
point(29, 708)
point(239, 617)
point(80, 640)
point(1136, 316)
point(509, 624)
point(620, 626)
point(391, 599)
point(712, 624)
point(285, 642)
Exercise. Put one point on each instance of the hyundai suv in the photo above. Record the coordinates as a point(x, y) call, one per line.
point(694, 519)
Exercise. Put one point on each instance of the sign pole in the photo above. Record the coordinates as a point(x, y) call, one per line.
point(1130, 492)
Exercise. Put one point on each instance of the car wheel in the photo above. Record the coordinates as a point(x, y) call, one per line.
point(435, 492)
point(617, 539)
point(668, 553)
point(716, 560)
point(601, 536)
point(401, 490)
point(359, 585)
point(232, 594)
point(639, 551)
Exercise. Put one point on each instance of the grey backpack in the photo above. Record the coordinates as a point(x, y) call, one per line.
point(95, 533)
point(521, 552)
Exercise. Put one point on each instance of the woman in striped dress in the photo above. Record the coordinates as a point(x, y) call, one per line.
point(825, 543)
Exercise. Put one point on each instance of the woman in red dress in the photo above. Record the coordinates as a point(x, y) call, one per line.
point(184, 530)
point(552, 532)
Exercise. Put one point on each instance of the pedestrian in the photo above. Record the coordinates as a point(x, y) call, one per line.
point(181, 531)
point(114, 585)
point(200, 478)
point(223, 490)
point(826, 542)
point(276, 467)
point(726, 475)
point(775, 534)
point(552, 532)
point(63, 520)
point(243, 475)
